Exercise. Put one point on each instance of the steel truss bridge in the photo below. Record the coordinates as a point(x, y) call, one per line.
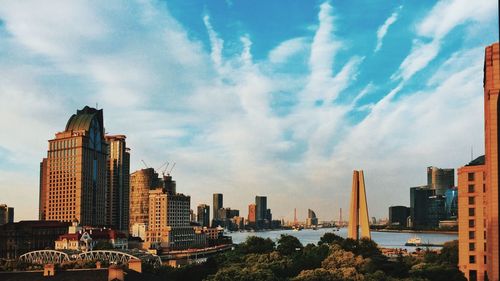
point(111, 256)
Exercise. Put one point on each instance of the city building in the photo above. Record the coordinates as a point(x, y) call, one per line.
point(451, 204)
point(217, 204)
point(75, 170)
point(25, 236)
point(141, 182)
point(86, 238)
point(358, 214)
point(6, 214)
point(252, 214)
point(204, 215)
point(398, 215)
point(312, 220)
point(42, 201)
point(472, 234)
point(440, 180)
point(419, 204)
point(169, 221)
point(118, 189)
point(478, 183)
point(261, 208)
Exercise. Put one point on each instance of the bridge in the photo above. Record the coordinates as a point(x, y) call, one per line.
point(111, 256)
point(195, 253)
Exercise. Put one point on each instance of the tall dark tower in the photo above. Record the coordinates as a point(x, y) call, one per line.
point(218, 204)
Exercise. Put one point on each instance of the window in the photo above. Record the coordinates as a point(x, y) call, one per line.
point(471, 188)
point(472, 246)
point(472, 212)
point(471, 200)
point(472, 235)
point(471, 223)
point(472, 259)
point(471, 176)
point(472, 275)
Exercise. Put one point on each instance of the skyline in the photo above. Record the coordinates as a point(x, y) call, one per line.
point(250, 94)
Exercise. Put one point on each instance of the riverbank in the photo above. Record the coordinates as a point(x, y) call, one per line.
point(416, 231)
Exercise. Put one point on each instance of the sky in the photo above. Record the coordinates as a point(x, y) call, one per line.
point(282, 99)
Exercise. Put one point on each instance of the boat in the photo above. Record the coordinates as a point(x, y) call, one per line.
point(414, 241)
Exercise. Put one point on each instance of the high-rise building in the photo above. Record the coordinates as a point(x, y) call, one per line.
point(218, 204)
point(419, 205)
point(169, 220)
point(451, 204)
point(478, 195)
point(260, 207)
point(141, 182)
point(75, 183)
point(42, 195)
point(252, 213)
point(118, 176)
point(398, 215)
point(358, 214)
point(440, 180)
point(204, 215)
point(312, 220)
point(471, 220)
point(6, 214)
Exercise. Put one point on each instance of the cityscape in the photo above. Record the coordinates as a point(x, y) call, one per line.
point(261, 172)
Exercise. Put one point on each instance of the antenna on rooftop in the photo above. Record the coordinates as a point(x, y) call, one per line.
point(471, 153)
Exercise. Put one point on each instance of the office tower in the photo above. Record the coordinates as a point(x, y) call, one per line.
point(472, 203)
point(204, 215)
point(42, 199)
point(141, 182)
point(218, 204)
point(451, 204)
point(269, 215)
point(252, 213)
point(312, 220)
point(169, 220)
point(358, 214)
point(260, 207)
point(491, 92)
point(75, 186)
point(118, 177)
point(440, 180)
point(419, 204)
point(398, 215)
point(6, 214)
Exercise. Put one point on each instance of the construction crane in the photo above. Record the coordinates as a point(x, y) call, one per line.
point(171, 168)
point(164, 170)
point(145, 164)
point(166, 162)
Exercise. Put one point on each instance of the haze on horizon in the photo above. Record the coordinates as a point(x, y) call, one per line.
point(282, 99)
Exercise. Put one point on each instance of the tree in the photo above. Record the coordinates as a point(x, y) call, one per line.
point(288, 245)
point(103, 245)
point(330, 238)
point(449, 253)
point(256, 245)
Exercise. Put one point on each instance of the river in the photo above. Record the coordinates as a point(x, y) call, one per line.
point(383, 239)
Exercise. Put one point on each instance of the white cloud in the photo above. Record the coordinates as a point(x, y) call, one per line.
point(287, 49)
point(420, 56)
point(382, 30)
point(216, 43)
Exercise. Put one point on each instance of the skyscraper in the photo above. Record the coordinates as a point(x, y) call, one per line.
point(440, 180)
point(252, 213)
point(261, 207)
point(204, 215)
point(312, 220)
point(75, 183)
point(218, 204)
point(118, 177)
point(419, 205)
point(6, 214)
point(358, 214)
point(141, 182)
point(42, 199)
point(398, 215)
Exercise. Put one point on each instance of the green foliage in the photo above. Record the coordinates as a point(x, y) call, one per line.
point(437, 272)
point(256, 245)
point(449, 253)
point(330, 238)
point(288, 245)
point(103, 245)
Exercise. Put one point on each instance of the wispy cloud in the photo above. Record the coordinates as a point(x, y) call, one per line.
point(382, 30)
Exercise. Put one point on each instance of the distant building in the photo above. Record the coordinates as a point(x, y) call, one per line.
point(6, 214)
point(440, 180)
point(25, 236)
point(204, 215)
point(86, 238)
point(141, 182)
point(312, 220)
point(472, 201)
point(43, 193)
point(436, 210)
point(76, 163)
point(260, 207)
point(118, 176)
point(398, 215)
point(217, 204)
point(419, 204)
point(252, 213)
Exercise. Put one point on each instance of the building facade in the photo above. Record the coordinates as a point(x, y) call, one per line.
point(398, 215)
point(6, 214)
point(471, 220)
point(75, 183)
point(141, 182)
point(419, 204)
point(260, 207)
point(118, 188)
point(252, 214)
point(440, 180)
point(217, 204)
point(312, 220)
point(42, 207)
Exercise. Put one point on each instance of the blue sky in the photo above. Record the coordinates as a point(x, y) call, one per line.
point(276, 98)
